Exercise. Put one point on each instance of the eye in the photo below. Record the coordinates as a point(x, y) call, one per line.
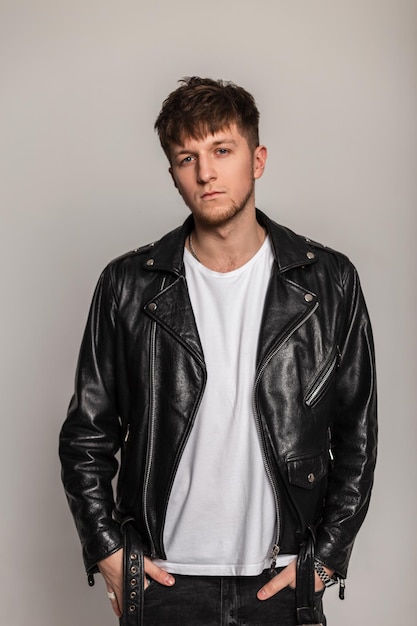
point(222, 151)
point(187, 160)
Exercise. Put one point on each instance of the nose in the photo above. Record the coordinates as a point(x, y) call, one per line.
point(205, 171)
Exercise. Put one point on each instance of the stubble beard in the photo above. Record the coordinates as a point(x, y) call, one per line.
point(221, 216)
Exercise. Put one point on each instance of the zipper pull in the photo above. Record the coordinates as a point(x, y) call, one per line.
point(274, 553)
point(331, 455)
point(342, 586)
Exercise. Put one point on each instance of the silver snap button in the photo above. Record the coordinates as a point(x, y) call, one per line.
point(134, 569)
point(133, 582)
point(152, 306)
point(310, 255)
point(150, 262)
point(132, 608)
point(132, 595)
point(308, 297)
point(133, 556)
point(311, 478)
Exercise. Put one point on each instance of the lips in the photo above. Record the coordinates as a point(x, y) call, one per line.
point(210, 195)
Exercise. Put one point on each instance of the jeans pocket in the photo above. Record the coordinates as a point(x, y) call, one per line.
point(149, 586)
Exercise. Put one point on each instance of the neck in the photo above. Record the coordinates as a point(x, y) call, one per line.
point(227, 247)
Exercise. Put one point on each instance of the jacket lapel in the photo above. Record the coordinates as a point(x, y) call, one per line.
point(287, 306)
point(171, 308)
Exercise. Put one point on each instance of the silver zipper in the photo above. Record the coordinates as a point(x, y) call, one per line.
point(274, 555)
point(276, 547)
point(151, 429)
point(329, 437)
point(329, 371)
point(179, 456)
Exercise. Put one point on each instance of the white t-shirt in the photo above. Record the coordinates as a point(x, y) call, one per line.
point(221, 515)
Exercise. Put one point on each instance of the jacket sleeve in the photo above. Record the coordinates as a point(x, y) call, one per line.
point(353, 433)
point(90, 436)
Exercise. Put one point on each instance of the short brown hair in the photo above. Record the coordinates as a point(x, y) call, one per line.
point(203, 106)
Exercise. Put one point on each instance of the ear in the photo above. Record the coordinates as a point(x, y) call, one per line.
point(259, 160)
point(173, 177)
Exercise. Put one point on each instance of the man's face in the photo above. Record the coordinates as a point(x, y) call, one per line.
point(216, 175)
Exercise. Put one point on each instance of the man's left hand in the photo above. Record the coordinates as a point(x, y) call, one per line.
point(287, 578)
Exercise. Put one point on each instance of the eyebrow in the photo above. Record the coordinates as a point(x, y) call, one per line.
point(216, 143)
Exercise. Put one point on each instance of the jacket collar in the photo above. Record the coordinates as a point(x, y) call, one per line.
point(290, 250)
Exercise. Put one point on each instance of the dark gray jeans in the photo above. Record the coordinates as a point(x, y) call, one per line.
point(220, 601)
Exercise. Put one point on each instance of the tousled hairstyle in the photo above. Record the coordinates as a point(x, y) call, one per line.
point(203, 106)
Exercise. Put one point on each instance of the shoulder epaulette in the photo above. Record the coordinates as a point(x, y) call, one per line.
point(315, 244)
point(134, 252)
point(321, 246)
point(144, 248)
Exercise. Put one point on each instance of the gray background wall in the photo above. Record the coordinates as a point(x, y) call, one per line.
point(83, 180)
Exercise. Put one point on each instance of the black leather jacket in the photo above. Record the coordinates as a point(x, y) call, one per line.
point(141, 376)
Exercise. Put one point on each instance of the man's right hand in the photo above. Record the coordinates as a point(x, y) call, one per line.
point(111, 569)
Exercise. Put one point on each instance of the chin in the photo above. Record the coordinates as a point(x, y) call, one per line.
point(216, 216)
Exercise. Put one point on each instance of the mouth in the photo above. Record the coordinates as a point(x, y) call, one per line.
point(211, 195)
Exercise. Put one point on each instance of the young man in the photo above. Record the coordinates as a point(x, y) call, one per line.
point(232, 363)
